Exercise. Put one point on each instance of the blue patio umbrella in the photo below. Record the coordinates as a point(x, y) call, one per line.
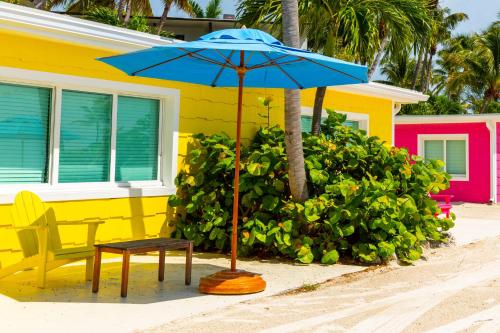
point(238, 58)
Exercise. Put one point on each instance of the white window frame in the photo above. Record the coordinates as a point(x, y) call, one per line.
point(362, 118)
point(167, 146)
point(445, 137)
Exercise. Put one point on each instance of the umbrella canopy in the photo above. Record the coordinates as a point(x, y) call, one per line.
point(213, 60)
point(237, 58)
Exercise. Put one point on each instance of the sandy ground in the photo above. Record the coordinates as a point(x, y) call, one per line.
point(454, 289)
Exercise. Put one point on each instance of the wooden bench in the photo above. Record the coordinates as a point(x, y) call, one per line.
point(141, 246)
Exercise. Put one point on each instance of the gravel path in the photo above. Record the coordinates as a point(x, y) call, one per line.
point(454, 289)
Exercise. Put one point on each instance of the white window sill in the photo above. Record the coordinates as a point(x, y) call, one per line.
point(86, 192)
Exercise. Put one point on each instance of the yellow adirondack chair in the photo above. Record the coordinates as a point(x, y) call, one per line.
point(38, 235)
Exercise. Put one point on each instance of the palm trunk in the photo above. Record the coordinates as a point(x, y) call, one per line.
point(293, 131)
point(317, 110)
point(487, 101)
point(428, 74)
point(423, 75)
point(121, 5)
point(417, 68)
point(378, 56)
point(164, 16)
point(128, 13)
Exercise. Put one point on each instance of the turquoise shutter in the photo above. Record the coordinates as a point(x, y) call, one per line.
point(85, 137)
point(137, 139)
point(306, 123)
point(456, 157)
point(24, 133)
point(434, 150)
point(352, 124)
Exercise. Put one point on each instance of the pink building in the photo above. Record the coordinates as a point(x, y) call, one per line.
point(468, 144)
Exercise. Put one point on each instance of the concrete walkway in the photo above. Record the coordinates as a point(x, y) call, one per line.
point(475, 222)
point(68, 305)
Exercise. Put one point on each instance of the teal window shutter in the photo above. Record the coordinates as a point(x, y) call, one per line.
point(456, 157)
point(434, 150)
point(137, 139)
point(24, 133)
point(85, 137)
point(352, 124)
point(306, 123)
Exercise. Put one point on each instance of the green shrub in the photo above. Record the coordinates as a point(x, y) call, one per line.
point(367, 200)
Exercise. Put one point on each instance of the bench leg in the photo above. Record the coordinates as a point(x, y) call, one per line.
point(161, 266)
point(189, 263)
point(125, 269)
point(97, 270)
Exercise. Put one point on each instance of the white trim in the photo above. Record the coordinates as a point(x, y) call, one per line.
point(362, 118)
point(74, 30)
point(107, 191)
point(492, 127)
point(379, 90)
point(443, 119)
point(423, 137)
point(53, 191)
point(17, 75)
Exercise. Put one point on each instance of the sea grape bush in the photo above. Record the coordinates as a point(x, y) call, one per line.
point(367, 200)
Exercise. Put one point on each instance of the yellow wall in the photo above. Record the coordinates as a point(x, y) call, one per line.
point(203, 109)
point(378, 109)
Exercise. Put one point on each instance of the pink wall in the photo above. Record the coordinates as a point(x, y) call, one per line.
point(477, 188)
point(498, 162)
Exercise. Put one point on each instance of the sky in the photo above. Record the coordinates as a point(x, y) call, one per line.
point(481, 12)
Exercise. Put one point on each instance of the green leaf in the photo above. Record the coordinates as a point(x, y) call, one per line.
point(287, 226)
point(305, 255)
point(319, 177)
point(348, 230)
point(270, 202)
point(330, 257)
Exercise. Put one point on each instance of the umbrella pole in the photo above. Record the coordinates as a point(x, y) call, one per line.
point(234, 282)
point(234, 236)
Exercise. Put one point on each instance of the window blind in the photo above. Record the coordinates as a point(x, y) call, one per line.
point(456, 157)
point(434, 150)
point(24, 133)
point(137, 139)
point(85, 137)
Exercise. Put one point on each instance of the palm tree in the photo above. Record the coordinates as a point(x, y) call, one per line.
point(442, 23)
point(293, 132)
point(183, 5)
point(212, 10)
point(356, 30)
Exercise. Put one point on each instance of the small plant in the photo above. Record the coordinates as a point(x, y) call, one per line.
point(266, 102)
point(367, 201)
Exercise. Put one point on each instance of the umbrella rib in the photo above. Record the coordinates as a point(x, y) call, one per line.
point(282, 63)
point(249, 57)
point(267, 63)
point(334, 70)
point(166, 61)
point(228, 61)
point(282, 70)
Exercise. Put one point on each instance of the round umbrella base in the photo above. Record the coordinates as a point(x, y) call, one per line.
point(227, 282)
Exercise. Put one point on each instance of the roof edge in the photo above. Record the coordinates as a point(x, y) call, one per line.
point(446, 118)
point(71, 29)
point(380, 90)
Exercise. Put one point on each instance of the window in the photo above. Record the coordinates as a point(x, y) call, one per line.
point(85, 138)
point(137, 139)
point(75, 138)
point(24, 133)
point(451, 149)
point(306, 122)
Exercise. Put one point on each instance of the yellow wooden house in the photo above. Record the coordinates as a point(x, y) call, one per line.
point(96, 144)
